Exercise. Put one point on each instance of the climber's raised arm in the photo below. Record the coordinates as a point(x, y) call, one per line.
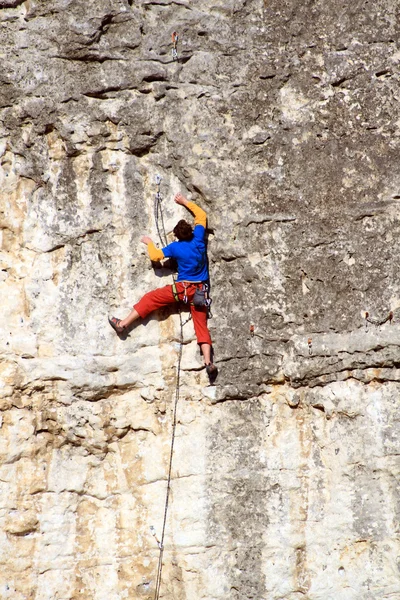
point(200, 216)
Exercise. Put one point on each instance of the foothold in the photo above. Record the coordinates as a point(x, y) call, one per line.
point(293, 401)
point(309, 342)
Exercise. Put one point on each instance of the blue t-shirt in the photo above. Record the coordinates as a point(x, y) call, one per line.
point(191, 256)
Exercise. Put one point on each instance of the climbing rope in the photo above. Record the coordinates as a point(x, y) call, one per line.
point(158, 213)
point(161, 544)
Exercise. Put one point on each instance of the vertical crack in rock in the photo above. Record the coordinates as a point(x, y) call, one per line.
point(237, 488)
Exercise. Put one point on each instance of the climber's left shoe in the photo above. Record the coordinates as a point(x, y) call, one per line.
point(115, 324)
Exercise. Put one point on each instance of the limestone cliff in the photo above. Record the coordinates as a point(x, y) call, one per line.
point(281, 119)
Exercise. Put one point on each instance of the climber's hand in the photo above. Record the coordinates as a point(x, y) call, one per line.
point(146, 240)
point(179, 199)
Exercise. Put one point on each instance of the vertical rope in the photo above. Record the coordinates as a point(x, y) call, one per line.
point(158, 214)
point(160, 564)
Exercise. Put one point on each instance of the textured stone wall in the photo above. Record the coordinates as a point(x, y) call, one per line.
point(281, 119)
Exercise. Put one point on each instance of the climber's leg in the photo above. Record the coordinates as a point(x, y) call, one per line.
point(199, 316)
point(154, 300)
point(149, 302)
point(133, 315)
point(119, 325)
point(206, 351)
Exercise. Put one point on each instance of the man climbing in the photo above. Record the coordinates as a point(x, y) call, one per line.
point(190, 254)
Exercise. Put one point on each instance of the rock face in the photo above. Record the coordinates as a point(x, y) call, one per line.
point(281, 119)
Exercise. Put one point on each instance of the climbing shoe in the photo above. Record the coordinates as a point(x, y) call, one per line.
point(212, 372)
point(115, 324)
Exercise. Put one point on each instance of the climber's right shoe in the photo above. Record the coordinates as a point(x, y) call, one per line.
point(212, 372)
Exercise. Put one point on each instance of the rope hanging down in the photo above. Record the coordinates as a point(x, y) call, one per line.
point(161, 544)
point(159, 216)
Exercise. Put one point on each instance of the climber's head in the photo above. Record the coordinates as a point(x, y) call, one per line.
point(183, 231)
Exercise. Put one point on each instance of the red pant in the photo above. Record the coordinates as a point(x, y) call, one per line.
point(164, 296)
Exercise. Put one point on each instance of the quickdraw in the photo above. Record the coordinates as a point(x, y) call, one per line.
point(377, 322)
point(153, 532)
point(175, 39)
point(158, 183)
point(158, 213)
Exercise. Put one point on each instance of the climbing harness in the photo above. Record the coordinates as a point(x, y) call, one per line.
point(175, 39)
point(201, 296)
point(377, 322)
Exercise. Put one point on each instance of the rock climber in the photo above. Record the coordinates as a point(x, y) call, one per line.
point(190, 254)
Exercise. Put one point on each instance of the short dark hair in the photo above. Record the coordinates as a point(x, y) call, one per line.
point(183, 231)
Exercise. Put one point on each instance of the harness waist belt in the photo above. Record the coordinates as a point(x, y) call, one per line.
point(185, 283)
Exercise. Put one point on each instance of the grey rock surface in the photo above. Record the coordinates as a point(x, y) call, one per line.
point(282, 120)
